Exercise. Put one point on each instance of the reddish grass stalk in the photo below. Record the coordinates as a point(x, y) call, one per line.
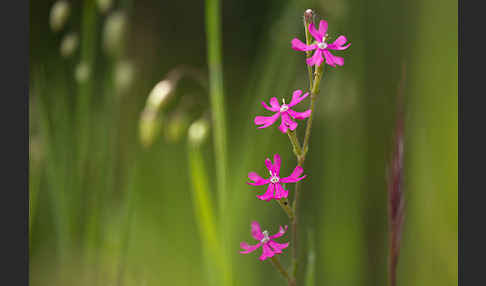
point(396, 200)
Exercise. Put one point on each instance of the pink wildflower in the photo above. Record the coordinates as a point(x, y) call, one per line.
point(275, 189)
point(321, 47)
point(269, 246)
point(284, 111)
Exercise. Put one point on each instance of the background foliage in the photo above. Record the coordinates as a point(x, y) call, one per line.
point(106, 211)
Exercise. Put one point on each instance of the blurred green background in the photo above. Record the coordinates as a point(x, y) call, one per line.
point(108, 210)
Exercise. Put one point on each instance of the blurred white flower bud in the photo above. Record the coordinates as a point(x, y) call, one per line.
point(113, 33)
point(59, 15)
point(104, 5)
point(82, 72)
point(198, 131)
point(124, 74)
point(69, 45)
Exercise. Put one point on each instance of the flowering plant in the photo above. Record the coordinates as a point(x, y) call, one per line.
point(276, 184)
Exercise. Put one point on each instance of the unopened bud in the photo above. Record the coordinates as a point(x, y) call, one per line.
point(82, 72)
point(113, 33)
point(177, 126)
point(104, 5)
point(59, 15)
point(149, 127)
point(198, 131)
point(124, 73)
point(308, 14)
point(69, 45)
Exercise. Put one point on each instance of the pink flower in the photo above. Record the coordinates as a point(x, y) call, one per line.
point(321, 47)
point(275, 189)
point(284, 111)
point(269, 246)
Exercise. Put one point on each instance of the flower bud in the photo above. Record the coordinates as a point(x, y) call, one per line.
point(113, 33)
point(82, 72)
point(59, 15)
point(149, 127)
point(308, 14)
point(69, 44)
point(104, 5)
point(198, 132)
point(124, 73)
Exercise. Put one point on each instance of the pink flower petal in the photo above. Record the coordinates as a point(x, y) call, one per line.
point(299, 115)
point(317, 36)
point(332, 60)
point(256, 231)
point(281, 232)
point(257, 180)
point(274, 106)
point(288, 121)
point(296, 98)
point(316, 59)
point(294, 177)
point(277, 247)
point(249, 248)
point(298, 45)
point(323, 27)
point(280, 192)
point(267, 252)
point(269, 194)
point(276, 164)
point(282, 127)
point(269, 165)
point(266, 121)
point(338, 44)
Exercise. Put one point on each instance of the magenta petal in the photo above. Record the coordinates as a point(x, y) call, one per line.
point(316, 59)
point(294, 177)
point(298, 45)
point(267, 252)
point(257, 180)
point(248, 248)
point(266, 121)
point(329, 58)
point(323, 27)
point(280, 192)
point(338, 44)
point(282, 127)
point(256, 231)
point(317, 36)
point(269, 165)
point(269, 194)
point(299, 115)
point(296, 98)
point(276, 164)
point(281, 232)
point(274, 106)
point(288, 121)
point(277, 247)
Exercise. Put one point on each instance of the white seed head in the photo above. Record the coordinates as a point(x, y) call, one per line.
point(198, 131)
point(113, 33)
point(160, 94)
point(124, 74)
point(104, 5)
point(149, 127)
point(69, 45)
point(82, 72)
point(59, 14)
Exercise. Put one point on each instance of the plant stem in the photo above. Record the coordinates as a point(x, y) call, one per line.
point(213, 33)
point(279, 267)
point(295, 143)
point(284, 203)
point(308, 40)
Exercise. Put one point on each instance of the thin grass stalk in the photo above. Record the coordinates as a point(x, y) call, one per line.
point(213, 34)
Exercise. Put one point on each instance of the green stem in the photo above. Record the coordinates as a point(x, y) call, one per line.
point(308, 40)
point(213, 33)
point(295, 143)
point(279, 267)
point(284, 203)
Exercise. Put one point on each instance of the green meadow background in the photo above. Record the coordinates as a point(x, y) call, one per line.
point(108, 210)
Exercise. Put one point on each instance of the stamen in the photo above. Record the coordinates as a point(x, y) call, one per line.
point(265, 237)
point(274, 179)
point(322, 45)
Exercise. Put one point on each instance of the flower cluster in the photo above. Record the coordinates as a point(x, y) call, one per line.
point(288, 116)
